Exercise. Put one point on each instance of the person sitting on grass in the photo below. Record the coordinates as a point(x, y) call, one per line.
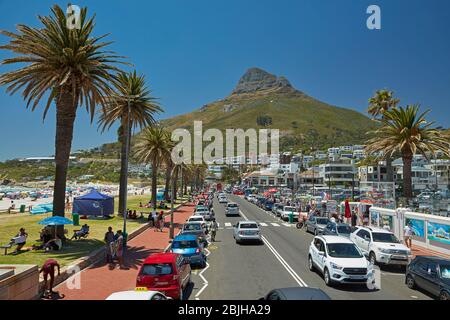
point(54, 244)
point(81, 233)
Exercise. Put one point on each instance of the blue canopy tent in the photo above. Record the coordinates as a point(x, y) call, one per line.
point(94, 204)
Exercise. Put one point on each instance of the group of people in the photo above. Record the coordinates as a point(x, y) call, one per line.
point(157, 219)
point(49, 241)
point(132, 214)
point(114, 246)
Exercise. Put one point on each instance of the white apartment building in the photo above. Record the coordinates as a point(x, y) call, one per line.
point(339, 174)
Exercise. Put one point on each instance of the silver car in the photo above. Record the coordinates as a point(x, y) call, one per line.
point(316, 224)
point(246, 231)
point(232, 209)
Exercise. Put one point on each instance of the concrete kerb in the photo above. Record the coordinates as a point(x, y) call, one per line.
point(94, 257)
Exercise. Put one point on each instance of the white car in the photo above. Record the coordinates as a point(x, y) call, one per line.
point(138, 295)
point(200, 219)
point(223, 200)
point(381, 246)
point(287, 210)
point(339, 260)
point(232, 209)
point(204, 212)
point(246, 231)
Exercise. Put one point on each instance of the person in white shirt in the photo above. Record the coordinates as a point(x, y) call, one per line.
point(408, 233)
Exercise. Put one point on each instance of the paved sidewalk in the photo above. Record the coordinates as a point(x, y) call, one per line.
point(420, 251)
point(100, 280)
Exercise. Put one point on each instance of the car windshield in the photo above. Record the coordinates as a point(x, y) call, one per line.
point(184, 244)
point(344, 229)
point(445, 271)
point(192, 227)
point(157, 269)
point(343, 250)
point(321, 220)
point(248, 226)
point(384, 237)
point(289, 208)
point(232, 205)
point(196, 219)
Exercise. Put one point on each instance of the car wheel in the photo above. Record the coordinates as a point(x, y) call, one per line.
point(326, 277)
point(373, 258)
point(310, 263)
point(410, 282)
point(444, 295)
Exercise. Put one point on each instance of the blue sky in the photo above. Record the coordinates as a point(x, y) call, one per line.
point(193, 52)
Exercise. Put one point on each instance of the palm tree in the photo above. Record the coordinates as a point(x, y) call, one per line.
point(154, 146)
point(383, 101)
point(72, 66)
point(177, 168)
point(405, 131)
point(133, 107)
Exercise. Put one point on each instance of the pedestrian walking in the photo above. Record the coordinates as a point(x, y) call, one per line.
point(354, 218)
point(408, 233)
point(119, 248)
point(161, 221)
point(109, 240)
point(214, 228)
point(48, 269)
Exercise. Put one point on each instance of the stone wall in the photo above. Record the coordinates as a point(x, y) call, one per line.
point(22, 285)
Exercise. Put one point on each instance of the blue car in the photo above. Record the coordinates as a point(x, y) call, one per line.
point(268, 205)
point(189, 247)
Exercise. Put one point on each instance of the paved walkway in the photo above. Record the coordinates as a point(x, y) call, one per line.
point(420, 251)
point(97, 282)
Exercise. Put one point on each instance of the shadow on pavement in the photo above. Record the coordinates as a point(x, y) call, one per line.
point(133, 258)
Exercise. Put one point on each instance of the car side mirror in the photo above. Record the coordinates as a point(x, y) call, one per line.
point(321, 253)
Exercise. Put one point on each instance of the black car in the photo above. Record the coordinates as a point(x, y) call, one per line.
point(431, 274)
point(296, 293)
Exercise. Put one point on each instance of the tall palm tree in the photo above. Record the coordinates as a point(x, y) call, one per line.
point(405, 131)
point(153, 146)
point(133, 107)
point(177, 169)
point(383, 101)
point(72, 66)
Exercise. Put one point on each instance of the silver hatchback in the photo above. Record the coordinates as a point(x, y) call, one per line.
point(246, 231)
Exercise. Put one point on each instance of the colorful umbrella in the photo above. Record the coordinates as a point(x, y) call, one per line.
point(55, 221)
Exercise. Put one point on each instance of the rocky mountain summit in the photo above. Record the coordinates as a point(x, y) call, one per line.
point(256, 80)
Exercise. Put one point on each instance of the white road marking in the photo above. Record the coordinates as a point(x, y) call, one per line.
point(415, 297)
point(205, 282)
point(227, 224)
point(263, 224)
point(275, 224)
point(283, 262)
point(287, 224)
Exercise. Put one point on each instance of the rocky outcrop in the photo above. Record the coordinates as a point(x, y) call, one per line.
point(256, 80)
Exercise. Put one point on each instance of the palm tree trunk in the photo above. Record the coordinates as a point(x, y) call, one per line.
point(123, 188)
point(154, 184)
point(65, 118)
point(167, 183)
point(407, 181)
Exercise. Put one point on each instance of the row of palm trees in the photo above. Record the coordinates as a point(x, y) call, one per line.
point(404, 132)
point(72, 68)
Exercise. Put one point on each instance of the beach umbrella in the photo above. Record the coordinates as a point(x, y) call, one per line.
point(55, 221)
point(347, 212)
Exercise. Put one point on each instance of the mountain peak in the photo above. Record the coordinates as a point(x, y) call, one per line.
point(258, 80)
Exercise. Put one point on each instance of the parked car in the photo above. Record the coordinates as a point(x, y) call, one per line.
point(189, 247)
point(296, 293)
point(168, 273)
point(138, 295)
point(268, 205)
point(196, 229)
point(238, 192)
point(381, 246)
point(275, 208)
point(246, 231)
point(339, 260)
point(279, 210)
point(287, 210)
point(201, 219)
point(203, 211)
point(316, 224)
point(431, 274)
point(337, 229)
point(232, 209)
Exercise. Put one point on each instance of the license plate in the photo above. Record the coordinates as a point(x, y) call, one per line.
point(357, 277)
point(399, 257)
point(161, 283)
point(249, 233)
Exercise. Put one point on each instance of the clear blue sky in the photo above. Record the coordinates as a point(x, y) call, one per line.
point(193, 52)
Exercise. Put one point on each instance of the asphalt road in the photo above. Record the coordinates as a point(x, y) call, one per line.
point(250, 271)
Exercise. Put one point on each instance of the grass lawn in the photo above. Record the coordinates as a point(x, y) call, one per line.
point(72, 250)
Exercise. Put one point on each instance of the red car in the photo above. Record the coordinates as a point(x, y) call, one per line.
point(169, 273)
point(238, 192)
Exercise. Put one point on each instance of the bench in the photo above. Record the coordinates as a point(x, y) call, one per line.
point(6, 247)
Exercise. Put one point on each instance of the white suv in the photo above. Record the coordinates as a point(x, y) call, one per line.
point(287, 210)
point(381, 246)
point(339, 260)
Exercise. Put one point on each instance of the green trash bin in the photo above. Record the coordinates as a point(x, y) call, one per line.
point(76, 219)
point(22, 208)
point(291, 217)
